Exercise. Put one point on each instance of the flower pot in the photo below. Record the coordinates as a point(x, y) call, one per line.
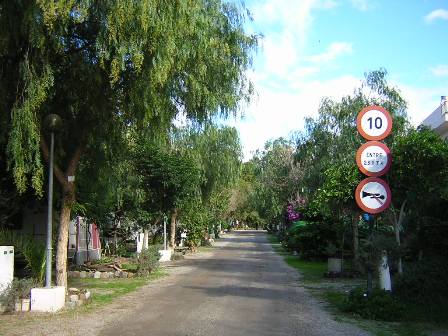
point(22, 305)
point(25, 304)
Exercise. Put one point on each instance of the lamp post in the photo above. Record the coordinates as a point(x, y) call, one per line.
point(164, 231)
point(51, 123)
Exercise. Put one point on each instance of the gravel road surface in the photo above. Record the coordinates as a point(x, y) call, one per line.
point(240, 288)
point(244, 288)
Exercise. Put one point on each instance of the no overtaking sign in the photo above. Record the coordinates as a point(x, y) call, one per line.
point(373, 195)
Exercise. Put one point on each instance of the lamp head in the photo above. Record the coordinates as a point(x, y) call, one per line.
point(52, 122)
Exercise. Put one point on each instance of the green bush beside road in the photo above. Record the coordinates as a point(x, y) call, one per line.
point(382, 314)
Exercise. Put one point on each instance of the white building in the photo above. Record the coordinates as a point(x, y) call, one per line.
point(438, 119)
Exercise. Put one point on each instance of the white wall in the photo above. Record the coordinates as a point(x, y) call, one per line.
point(438, 121)
point(6, 266)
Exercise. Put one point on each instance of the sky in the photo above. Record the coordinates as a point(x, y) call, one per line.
point(312, 49)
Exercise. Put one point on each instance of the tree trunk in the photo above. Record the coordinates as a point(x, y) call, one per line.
point(397, 226)
point(64, 223)
point(68, 198)
point(355, 233)
point(173, 228)
point(145, 239)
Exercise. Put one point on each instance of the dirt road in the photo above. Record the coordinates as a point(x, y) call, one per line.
point(242, 288)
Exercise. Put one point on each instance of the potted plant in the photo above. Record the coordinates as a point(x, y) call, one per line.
point(16, 297)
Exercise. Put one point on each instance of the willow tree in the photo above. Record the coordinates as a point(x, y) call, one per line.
point(218, 153)
point(105, 65)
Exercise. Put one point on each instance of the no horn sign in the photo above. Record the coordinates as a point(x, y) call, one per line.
point(373, 195)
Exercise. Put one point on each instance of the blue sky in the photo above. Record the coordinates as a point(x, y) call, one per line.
point(322, 48)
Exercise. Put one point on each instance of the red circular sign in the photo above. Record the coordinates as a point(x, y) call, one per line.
point(374, 123)
point(373, 158)
point(373, 195)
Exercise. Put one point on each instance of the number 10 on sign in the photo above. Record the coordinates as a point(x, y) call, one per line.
point(374, 123)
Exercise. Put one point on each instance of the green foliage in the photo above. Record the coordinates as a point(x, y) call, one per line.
point(195, 220)
point(103, 261)
point(420, 167)
point(118, 64)
point(268, 182)
point(424, 283)
point(379, 305)
point(16, 290)
point(32, 250)
point(24, 139)
point(148, 260)
point(311, 239)
point(168, 178)
point(217, 151)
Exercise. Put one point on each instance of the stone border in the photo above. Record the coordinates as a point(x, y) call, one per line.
point(100, 275)
point(76, 298)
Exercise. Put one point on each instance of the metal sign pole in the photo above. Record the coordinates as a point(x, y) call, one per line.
point(164, 232)
point(49, 216)
point(370, 257)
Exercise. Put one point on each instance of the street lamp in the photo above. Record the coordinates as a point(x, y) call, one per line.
point(165, 219)
point(52, 123)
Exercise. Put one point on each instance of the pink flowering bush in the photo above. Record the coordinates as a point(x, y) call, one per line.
point(292, 214)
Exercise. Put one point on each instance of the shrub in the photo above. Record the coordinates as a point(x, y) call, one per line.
point(423, 282)
point(310, 238)
point(32, 250)
point(206, 242)
point(16, 290)
point(148, 260)
point(104, 261)
point(379, 305)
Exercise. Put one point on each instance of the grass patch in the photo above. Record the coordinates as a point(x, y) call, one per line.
point(129, 266)
point(335, 291)
point(105, 291)
point(312, 271)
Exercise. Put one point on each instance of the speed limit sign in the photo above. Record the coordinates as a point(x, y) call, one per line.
point(374, 123)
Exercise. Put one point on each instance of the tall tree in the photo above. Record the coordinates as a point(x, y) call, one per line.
point(170, 179)
point(418, 181)
point(327, 149)
point(105, 65)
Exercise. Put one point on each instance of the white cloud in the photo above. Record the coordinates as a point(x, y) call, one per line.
point(441, 14)
point(286, 24)
point(285, 76)
point(326, 4)
point(278, 113)
point(280, 53)
point(439, 70)
point(362, 5)
point(334, 50)
point(421, 101)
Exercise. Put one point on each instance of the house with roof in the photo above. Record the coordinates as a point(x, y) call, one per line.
point(438, 119)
